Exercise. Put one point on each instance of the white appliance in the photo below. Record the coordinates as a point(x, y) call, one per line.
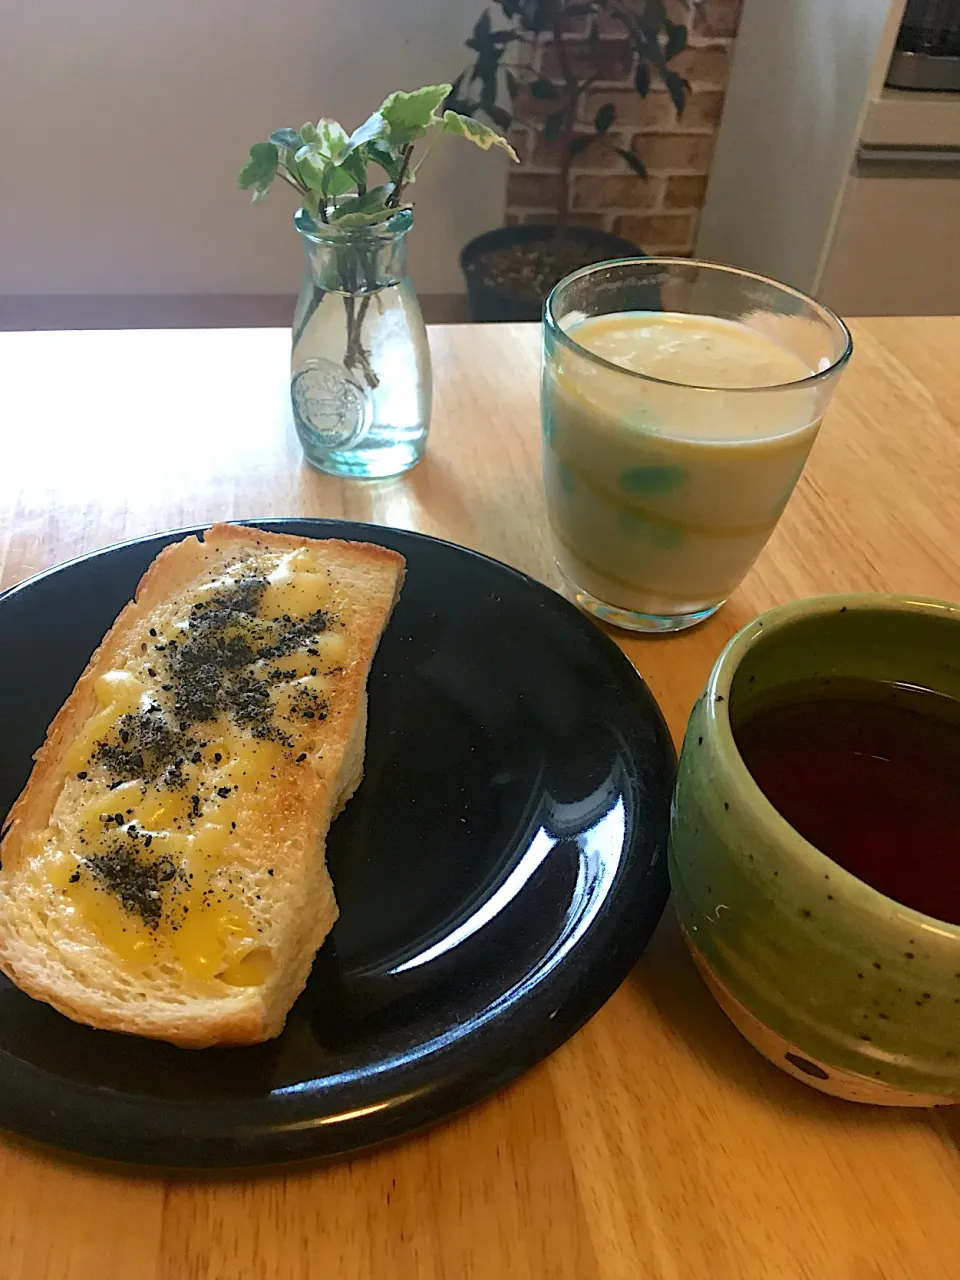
point(927, 53)
point(826, 176)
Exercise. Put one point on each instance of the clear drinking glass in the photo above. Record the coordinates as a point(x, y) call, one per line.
point(360, 379)
point(679, 400)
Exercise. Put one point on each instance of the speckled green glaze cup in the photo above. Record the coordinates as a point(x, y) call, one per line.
point(837, 984)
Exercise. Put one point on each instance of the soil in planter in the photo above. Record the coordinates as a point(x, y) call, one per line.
point(528, 271)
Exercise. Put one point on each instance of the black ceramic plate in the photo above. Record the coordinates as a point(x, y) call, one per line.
point(498, 872)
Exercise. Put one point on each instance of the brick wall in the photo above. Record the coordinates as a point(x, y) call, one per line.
point(660, 213)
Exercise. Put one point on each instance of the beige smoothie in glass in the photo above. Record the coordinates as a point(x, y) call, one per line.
point(672, 442)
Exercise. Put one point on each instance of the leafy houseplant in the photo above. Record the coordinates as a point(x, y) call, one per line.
point(360, 376)
point(543, 61)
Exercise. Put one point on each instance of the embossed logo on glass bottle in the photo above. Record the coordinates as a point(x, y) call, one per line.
point(327, 401)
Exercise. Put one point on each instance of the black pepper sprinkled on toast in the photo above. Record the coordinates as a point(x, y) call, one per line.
point(214, 669)
point(148, 745)
point(135, 881)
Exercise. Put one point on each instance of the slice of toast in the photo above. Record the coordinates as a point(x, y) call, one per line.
point(164, 871)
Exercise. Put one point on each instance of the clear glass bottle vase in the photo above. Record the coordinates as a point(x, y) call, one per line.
point(360, 379)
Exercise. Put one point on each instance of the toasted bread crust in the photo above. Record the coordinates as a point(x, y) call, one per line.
point(292, 834)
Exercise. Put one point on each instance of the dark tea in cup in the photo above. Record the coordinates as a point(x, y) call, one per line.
point(869, 773)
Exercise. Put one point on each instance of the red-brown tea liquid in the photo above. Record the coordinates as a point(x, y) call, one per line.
point(869, 773)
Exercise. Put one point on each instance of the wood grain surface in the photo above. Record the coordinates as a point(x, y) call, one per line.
point(656, 1145)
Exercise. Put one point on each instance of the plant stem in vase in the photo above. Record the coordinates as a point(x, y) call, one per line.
point(360, 368)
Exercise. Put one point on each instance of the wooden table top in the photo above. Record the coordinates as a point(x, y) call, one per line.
point(655, 1145)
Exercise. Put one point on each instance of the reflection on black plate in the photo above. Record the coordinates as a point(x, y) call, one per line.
point(498, 872)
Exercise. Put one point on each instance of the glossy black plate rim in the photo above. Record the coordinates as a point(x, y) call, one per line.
point(516, 1034)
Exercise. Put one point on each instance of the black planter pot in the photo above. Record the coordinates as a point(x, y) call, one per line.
point(488, 304)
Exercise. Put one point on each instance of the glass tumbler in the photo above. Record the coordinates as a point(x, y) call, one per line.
point(680, 400)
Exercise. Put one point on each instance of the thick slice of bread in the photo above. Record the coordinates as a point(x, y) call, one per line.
point(163, 872)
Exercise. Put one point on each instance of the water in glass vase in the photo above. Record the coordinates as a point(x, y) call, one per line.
point(360, 370)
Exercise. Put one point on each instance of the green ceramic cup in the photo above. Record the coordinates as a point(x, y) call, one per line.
point(837, 984)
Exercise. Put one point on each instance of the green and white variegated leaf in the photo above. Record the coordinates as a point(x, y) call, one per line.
point(355, 166)
point(319, 172)
point(288, 139)
point(371, 202)
point(477, 132)
point(312, 166)
point(260, 170)
point(388, 160)
point(372, 128)
point(327, 165)
point(370, 219)
point(337, 182)
point(288, 162)
point(410, 115)
point(331, 138)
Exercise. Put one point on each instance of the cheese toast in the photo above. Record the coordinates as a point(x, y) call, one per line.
point(163, 872)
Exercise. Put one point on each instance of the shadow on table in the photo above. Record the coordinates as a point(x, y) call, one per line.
point(946, 1121)
point(431, 498)
point(667, 979)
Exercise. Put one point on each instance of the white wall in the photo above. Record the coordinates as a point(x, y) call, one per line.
point(124, 123)
point(802, 71)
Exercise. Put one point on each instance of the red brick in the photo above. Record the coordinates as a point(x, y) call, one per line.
point(608, 25)
point(685, 191)
point(532, 190)
point(674, 152)
point(519, 139)
point(612, 59)
point(652, 112)
point(546, 155)
point(703, 110)
point(594, 218)
point(677, 11)
point(527, 108)
point(717, 18)
point(620, 191)
point(576, 26)
point(656, 112)
point(657, 232)
point(600, 221)
point(706, 64)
